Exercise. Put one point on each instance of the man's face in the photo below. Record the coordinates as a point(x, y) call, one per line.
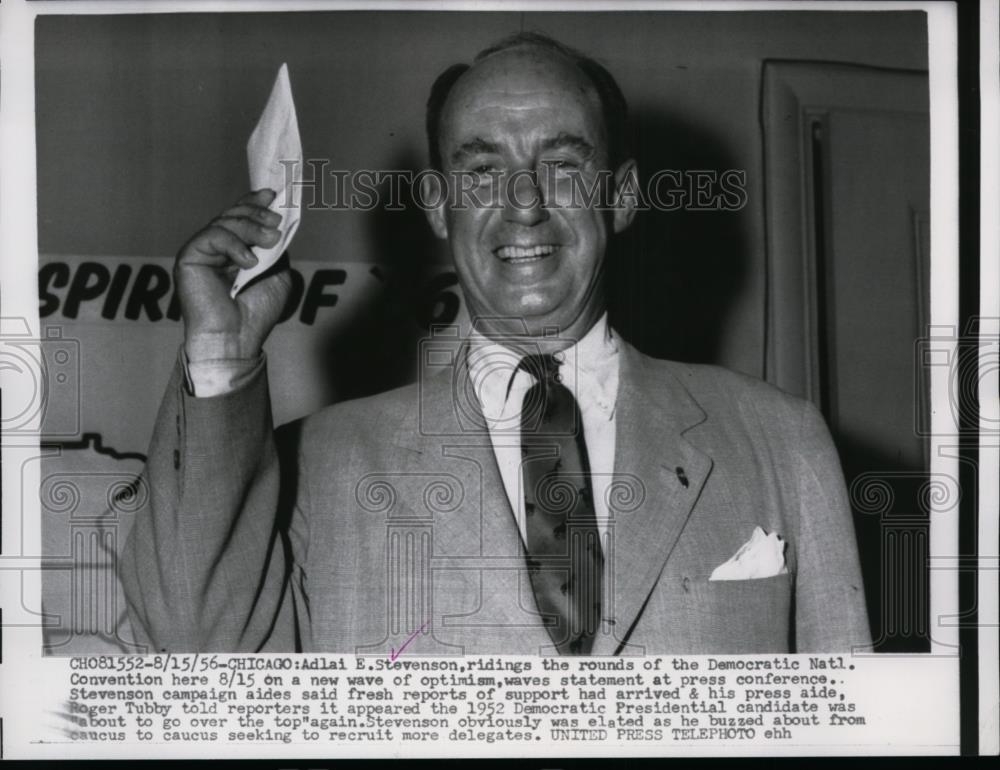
point(518, 125)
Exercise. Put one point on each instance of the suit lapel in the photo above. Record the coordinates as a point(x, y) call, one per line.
point(476, 542)
point(659, 475)
point(451, 438)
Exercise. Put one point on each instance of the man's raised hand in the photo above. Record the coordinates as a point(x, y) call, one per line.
point(216, 325)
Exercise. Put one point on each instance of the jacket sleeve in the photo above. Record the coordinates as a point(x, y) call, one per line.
point(208, 564)
point(830, 613)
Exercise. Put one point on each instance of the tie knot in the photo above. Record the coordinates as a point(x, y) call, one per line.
point(542, 366)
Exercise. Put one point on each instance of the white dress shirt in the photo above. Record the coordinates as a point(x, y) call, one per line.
point(589, 370)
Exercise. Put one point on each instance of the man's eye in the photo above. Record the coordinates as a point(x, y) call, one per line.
point(560, 166)
point(483, 168)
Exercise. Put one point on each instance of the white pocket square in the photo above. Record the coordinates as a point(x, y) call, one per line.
point(762, 556)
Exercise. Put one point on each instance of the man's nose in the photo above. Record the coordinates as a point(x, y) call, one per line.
point(523, 201)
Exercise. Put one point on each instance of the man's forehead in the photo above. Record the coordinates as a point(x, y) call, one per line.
point(502, 109)
point(523, 73)
point(521, 82)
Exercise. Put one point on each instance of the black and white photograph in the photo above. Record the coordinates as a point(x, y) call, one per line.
point(624, 343)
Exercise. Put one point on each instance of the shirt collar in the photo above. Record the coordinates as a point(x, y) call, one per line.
point(589, 369)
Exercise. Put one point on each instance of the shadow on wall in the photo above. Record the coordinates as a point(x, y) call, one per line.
point(675, 273)
point(378, 349)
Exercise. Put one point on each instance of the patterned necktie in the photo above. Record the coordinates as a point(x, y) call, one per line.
point(564, 556)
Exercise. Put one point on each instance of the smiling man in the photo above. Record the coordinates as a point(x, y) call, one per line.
point(524, 122)
point(551, 491)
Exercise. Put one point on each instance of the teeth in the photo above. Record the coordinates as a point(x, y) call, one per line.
point(520, 252)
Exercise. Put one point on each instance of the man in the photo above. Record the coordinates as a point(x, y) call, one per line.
point(550, 491)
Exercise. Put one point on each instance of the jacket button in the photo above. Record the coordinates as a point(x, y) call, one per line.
point(177, 459)
point(686, 585)
point(178, 425)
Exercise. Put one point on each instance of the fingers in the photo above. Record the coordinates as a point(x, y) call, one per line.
point(251, 232)
point(217, 240)
point(263, 198)
point(258, 214)
point(251, 220)
point(255, 206)
point(232, 234)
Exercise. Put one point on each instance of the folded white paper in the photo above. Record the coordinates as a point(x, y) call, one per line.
point(274, 154)
point(762, 556)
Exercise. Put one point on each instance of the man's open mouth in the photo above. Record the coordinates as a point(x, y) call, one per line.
point(521, 254)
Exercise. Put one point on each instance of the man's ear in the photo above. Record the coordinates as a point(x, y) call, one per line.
point(434, 194)
point(626, 191)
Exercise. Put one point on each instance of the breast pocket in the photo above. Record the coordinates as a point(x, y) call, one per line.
point(743, 616)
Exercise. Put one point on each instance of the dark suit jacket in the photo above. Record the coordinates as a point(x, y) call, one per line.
point(391, 517)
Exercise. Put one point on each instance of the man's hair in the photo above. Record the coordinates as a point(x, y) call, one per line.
point(614, 109)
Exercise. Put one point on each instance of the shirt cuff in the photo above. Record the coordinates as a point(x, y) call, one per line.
point(219, 376)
